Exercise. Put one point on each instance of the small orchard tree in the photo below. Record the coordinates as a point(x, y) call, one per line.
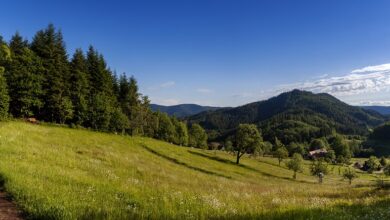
point(281, 153)
point(383, 161)
point(319, 168)
point(248, 138)
point(350, 174)
point(295, 164)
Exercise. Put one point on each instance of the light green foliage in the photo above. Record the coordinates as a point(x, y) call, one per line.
point(197, 137)
point(248, 138)
point(281, 153)
point(319, 168)
point(372, 164)
point(295, 164)
point(350, 174)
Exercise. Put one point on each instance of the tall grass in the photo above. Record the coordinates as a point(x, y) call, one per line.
point(61, 173)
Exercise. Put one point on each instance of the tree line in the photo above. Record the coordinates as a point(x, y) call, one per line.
point(39, 80)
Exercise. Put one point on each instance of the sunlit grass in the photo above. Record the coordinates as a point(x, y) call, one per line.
point(61, 173)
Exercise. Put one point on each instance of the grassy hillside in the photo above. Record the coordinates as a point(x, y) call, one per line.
point(61, 173)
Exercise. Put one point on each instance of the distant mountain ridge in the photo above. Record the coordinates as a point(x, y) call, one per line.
point(182, 110)
point(384, 110)
point(295, 116)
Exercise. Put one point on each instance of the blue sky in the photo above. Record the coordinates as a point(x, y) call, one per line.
point(227, 53)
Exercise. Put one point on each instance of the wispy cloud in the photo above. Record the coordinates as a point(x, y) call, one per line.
point(365, 80)
point(204, 90)
point(167, 84)
point(164, 85)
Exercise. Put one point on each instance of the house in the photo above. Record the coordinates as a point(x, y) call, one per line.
point(317, 153)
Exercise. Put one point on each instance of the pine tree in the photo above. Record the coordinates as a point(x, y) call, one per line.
point(4, 98)
point(79, 88)
point(102, 101)
point(24, 79)
point(48, 44)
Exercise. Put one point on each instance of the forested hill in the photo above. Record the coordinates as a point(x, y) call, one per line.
point(292, 116)
point(182, 110)
point(384, 110)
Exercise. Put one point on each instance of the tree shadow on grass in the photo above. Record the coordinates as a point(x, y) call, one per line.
point(176, 161)
point(226, 161)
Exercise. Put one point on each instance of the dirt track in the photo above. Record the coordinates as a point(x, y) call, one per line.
point(8, 209)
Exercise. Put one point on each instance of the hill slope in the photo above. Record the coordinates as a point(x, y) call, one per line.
point(296, 114)
point(384, 110)
point(61, 173)
point(182, 110)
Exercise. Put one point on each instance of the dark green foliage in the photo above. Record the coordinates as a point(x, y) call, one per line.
point(197, 137)
point(4, 97)
point(317, 144)
point(48, 44)
point(341, 148)
point(25, 79)
point(295, 116)
point(248, 139)
point(43, 83)
point(79, 88)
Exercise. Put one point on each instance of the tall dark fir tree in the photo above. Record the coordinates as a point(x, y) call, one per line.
point(24, 76)
point(48, 44)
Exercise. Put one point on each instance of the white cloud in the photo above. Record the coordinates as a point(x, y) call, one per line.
point(377, 103)
point(204, 90)
point(383, 67)
point(365, 80)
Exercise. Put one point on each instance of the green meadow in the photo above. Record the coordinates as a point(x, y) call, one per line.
point(61, 173)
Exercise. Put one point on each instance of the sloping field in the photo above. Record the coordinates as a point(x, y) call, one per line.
point(62, 173)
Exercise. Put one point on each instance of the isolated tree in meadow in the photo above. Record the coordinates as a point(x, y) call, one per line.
point(350, 174)
point(248, 138)
point(197, 137)
point(319, 169)
point(281, 153)
point(295, 164)
point(4, 97)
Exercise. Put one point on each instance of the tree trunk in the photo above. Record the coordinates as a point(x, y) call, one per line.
point(238, 157)
point(295, 175)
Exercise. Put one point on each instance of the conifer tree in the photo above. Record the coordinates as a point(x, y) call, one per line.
point(24, 79)
point(79, 87)
point(48, 44)
point(4, 98)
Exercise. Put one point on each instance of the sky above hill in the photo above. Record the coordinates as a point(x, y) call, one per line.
point(227, 53)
